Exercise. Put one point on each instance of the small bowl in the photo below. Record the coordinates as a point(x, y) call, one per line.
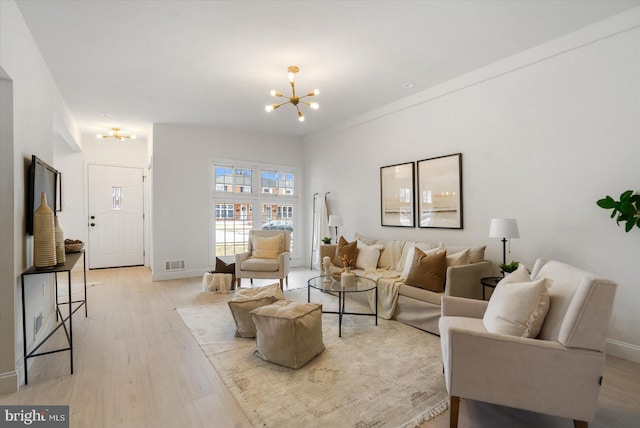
point(73, 248)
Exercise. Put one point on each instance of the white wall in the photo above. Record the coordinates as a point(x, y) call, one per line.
point(543, 135)
point(36, 101)
point(73, 166)
point(181, 201)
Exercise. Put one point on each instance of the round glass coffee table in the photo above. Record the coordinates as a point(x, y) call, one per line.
point(330, 284)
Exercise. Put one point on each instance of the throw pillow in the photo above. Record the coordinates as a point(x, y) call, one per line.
point(427, 271)
point(410, 254)
point(459, 259)
point(345, 248)
point(518, 305)
point(367, 240)
point(267, 247)
point(476, 254)
point(390, 254)
point(368, 256)
point(223, 267)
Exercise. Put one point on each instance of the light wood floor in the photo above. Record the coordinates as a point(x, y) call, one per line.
point(137, 365)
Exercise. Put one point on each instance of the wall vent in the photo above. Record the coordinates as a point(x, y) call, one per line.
point(174, 265)
point(37, 324)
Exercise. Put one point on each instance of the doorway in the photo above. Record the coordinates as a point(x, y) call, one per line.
point(116, 216)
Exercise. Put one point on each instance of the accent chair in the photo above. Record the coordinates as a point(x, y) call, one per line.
point(559, 372)
point(267, 257)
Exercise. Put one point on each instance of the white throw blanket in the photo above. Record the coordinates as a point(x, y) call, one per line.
point(216, 282)
point(387, 297)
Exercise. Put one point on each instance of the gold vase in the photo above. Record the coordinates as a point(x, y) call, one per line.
point(44, 235)
point(60, 253)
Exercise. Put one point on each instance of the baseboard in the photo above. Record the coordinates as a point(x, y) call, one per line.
point(626, 351)
point(9, 382)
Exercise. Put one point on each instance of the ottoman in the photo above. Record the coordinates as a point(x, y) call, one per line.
point(248, 299)
point(288, 333)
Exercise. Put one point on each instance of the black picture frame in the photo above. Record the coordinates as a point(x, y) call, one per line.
point(440, 192)
point(397, 195)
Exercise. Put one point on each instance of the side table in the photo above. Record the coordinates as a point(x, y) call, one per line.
point(490, 282)
point(67, 266)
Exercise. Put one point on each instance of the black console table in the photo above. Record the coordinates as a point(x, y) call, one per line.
point(67, 266)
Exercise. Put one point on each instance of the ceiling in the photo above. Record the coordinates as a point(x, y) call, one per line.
point(214, 62)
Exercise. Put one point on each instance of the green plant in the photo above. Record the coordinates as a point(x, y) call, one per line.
point(508, 268)
point(326, 240)
point(627, 209)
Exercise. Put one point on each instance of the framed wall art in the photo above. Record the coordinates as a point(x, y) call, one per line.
point(440, 192)
point(397, 195)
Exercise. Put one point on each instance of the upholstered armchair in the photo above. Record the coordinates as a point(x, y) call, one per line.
point(559, 372)
point(267, 256)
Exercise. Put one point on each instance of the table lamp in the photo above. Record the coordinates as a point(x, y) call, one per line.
point(335, 221)
point(504, 228)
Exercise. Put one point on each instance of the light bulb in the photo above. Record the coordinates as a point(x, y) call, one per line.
point(300, 116)
point(99, 136)
point(316, 91)
point(275, 93)
point(291, 76)
point(314, 106)
point(133, 137)
point(268, 108)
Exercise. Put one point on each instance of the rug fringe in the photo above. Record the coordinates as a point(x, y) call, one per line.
point(428, 415)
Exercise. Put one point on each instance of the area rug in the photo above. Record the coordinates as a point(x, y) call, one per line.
point(388, 375)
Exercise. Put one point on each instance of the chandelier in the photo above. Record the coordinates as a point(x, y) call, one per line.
point(115, 133)
point(293, 99)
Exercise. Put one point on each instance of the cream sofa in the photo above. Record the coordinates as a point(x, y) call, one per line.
point(415, 306)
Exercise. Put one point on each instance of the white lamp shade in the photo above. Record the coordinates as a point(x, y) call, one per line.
point(335, 220)
point(504, 228)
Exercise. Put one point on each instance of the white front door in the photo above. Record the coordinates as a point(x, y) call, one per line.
point(116, 216)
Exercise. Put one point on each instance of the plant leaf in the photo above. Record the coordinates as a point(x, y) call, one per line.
point(626, 195)
point(627, 208)
point(606, 203)
point(629, 225)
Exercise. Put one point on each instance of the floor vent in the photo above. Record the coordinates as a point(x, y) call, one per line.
point(174, 265)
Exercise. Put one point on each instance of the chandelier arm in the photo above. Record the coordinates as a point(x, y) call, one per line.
point(293, 89)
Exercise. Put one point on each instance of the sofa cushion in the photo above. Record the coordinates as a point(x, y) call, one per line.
point(420, 294)
point(368, 255)
point(428, 272)
point(267, 247)
point(348, 249)
point(518, 305)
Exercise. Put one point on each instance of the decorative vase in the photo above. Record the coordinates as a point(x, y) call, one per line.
point(348, 278)
point(326, 273)
point(60, 252)
point(44, 235)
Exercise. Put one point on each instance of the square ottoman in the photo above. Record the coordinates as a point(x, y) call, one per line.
point(248, 299)
point(288, 333)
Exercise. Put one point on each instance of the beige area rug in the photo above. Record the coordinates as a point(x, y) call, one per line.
point(388, 375)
